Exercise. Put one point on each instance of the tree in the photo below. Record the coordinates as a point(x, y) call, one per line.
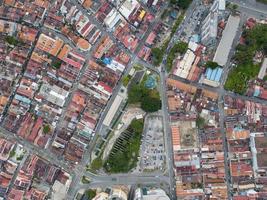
point(12, 153)
point(255, 40)
point(157, 55)
point(211, 64)
point(125, 159)
point(200, 122)
point(235, 6)
point(181, 3)
point(56, 64)
point(12, 40)
point(134, 94)
point(90, 194)
point(137, 126)
point(179, 47)
point(151, 104)
point(46, 129)
point(96, 164)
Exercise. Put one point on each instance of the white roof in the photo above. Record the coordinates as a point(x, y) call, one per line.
point(114, 65)
point(221, 4)
point(112, 18)
point(192, 45)
point(262, 71)
point(127, 7)
point(112, 111)
point(185, 65)
point(223, 50)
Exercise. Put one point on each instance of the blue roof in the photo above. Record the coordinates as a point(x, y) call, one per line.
point(195, 38)
point(174, 14)
point(256, 92)
point(214, 74)
point(218, 74)
point(107, 60)
point(208, 73)
point(238, 128)
point(23, 99)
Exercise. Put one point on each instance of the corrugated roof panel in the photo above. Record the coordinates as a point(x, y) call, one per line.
point(208, 73)
point(213, 74)
point(218, 75)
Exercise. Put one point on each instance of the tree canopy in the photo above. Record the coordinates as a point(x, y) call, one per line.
point(255, 40)
point(149, 99)
point(181, 3)
point(211, 64)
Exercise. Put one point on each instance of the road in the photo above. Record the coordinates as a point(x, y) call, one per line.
point(166, 119)
point(251, 7)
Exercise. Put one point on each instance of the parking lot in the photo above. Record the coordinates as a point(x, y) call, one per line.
point(153, 151)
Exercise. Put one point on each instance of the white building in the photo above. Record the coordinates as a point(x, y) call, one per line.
point(112, 18)
point(209, 28)
point(184, 66)
point(153, 194)
point(229, 33)
point(209, 25)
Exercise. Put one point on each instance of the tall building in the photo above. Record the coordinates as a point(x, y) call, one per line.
point(209, 29)
point(210, 23)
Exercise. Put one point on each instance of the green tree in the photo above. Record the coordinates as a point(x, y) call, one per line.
point(12, 40)
point(211, 64)
point(181, 3)
point(235, 6)
point(56, 64)
point(46, 129)
point(150, 104)
point(12, 153)
point(135, 94)
point(96, 164)
point(200, 122)
point(90, 194)
point(179, 47)
point(157, 54)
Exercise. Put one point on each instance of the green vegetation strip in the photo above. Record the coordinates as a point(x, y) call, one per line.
point(255, 40)
point(158, 52)
point(179, 47)
point(125, 159)
point(184, 4)
point(126, 79)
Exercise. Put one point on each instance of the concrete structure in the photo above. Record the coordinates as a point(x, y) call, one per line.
point(209, 28)
point(153, 194)
point(53, 94)
point(184, 66)
point(218, 5)
point(112, 111)
point(262, 71)
point(213, 76)
point(128, 7)
point(229, 33)
point(209, 25)
point(112, 18)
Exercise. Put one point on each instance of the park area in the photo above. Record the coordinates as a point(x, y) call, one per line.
point(125, 152)
point(255, 41)
point(145, 94)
